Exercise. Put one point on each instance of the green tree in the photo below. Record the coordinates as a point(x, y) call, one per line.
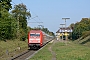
point(7, 25)
point(29, 28)
point(21, 14)
point(6, 4)
point(80, 28)
point(72, 26)
point(45, 30)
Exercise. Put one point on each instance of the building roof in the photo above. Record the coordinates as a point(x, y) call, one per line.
point(67, 29)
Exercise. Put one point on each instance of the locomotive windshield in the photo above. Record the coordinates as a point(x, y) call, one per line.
point(34, 34)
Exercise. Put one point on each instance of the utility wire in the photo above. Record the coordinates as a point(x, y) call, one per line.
point(32, 17)
point(34, 13)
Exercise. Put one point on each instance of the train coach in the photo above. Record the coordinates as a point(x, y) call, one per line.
point(37, 38)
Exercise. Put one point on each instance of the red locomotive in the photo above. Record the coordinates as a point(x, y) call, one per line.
point(37, 38)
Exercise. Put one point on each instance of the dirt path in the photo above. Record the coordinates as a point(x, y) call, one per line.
point(52, 52)
point(51, 46)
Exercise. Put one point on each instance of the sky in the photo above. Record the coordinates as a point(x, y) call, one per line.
point(51, 12)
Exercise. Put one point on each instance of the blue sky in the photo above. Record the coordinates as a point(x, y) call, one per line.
point(51, 12)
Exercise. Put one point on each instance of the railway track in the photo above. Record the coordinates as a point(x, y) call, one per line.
point(24, 55)
point(27, 54)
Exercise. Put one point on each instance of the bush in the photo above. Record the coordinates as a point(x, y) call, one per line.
point(22, 35)
point(23, 38)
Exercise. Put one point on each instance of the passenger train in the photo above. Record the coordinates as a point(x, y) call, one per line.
point(37, 38)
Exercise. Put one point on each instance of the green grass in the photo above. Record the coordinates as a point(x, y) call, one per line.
point(12, 47)
point(43, 54)
point(69, 51)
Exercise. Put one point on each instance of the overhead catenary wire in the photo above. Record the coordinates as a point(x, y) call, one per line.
point(34, 13)
point(35, 20)
point(32, 18)
point(36, 16)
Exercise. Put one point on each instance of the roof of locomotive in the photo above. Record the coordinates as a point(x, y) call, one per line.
point(35, 31)
point(38, 31)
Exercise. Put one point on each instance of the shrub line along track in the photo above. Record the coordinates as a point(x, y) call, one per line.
point(28, 54)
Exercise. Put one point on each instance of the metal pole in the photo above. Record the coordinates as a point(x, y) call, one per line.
point(18, 27)
point(65, 26)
